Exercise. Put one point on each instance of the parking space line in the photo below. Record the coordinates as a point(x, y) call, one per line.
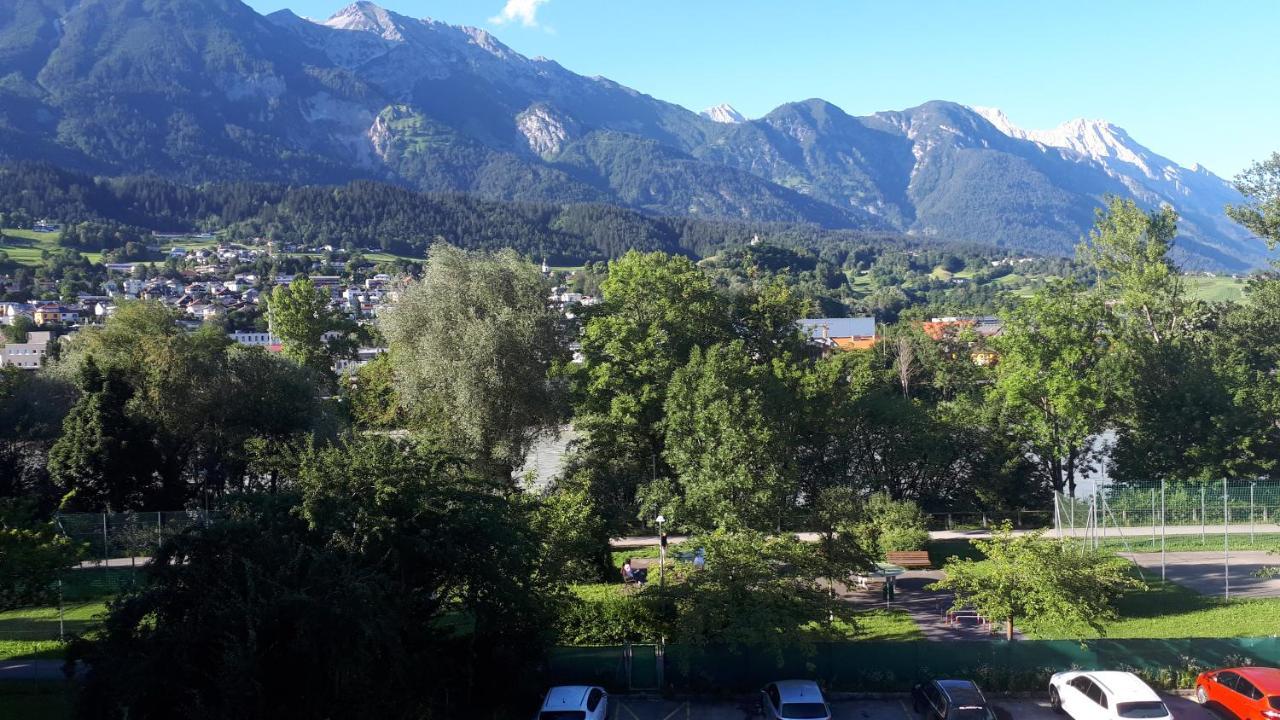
point(905, 712)
point(675, 712)
point(622, 706)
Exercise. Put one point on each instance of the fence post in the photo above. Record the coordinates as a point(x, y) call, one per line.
point(1251, 487)
point(660, 659)
point(106, 552)
point(1153, 518)
point(159, 535)
point(1202, 517)
point(1162, 529)
point(626, 663)
point(1226, 543)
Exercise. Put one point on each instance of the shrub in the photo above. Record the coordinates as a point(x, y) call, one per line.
point(609, 615)
point(893, 525)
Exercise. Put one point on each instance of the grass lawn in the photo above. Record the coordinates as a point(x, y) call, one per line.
point(24, 246)
point(878, 624)
point(648, 553)
point(1168, 610)
point(33, 632)
point(1140, 541)
point(39, 701)
point(1215, 289)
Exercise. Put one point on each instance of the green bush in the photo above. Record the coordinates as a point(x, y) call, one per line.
point(893, 525)
point(609, 615)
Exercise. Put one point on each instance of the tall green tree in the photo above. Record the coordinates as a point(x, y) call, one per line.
point(472, 343)
point(1260, 185)
point(382, 562)
point(1029, 576)
point(727, 454)
point(1130, 249)
point(299, 315)
point(102, 456)
point(1051, 383)
point(656, 309)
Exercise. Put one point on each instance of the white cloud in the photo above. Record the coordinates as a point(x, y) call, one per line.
point(524, 12)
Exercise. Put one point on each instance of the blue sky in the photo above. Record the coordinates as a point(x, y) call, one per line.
point(1195, 81)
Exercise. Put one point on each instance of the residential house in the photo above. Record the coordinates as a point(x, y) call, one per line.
point(10, 311)
point(55, 313)
point(841, 333)
point(952, 328)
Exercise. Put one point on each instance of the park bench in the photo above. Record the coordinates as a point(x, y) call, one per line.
point(911, 559)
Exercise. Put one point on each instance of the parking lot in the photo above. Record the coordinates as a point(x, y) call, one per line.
point(637, 708)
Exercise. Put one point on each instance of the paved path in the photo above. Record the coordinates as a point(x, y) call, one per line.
point(1134, 533)
point(31, 670)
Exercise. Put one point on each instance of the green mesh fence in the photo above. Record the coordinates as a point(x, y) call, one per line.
point(897, 666)
point(1234, 506)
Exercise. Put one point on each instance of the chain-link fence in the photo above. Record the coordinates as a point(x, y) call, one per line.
point(1233, 506)
point(135, 536)
point(114, 546)
point(1228, 526)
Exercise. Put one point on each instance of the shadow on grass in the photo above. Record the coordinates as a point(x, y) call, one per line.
point(1163, 598)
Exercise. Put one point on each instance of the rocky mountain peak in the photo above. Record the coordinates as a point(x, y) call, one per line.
point(365, 16)
point(724, 113)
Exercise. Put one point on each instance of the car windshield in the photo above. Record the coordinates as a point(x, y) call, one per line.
point(971, 713)
point(563, 715)
point(1142, 710)
point(803, 710)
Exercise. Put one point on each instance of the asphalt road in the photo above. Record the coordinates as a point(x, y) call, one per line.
point(634, 708)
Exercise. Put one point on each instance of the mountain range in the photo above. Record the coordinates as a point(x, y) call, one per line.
point(201, 90)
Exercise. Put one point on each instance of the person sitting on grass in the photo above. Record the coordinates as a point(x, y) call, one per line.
point(631, 574)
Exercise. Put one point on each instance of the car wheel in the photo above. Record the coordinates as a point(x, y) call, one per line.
point(1055, 701)
point(1202, 697)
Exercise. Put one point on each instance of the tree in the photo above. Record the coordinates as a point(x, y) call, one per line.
point(195, 427)
point(1051, 381)
point(657, 308)
point(723, 442)
point(300, 316)
point(472, 343)
point(756, 590)
point(102, 456)
point(1029, 576)
point(1130, 249)
point(19, 330)
point(383, 563)
point(32, 554)
point(1260, 185)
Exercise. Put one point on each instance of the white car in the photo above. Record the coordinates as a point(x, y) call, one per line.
point(575, 702)
point(1105, 696)
point(794, 700)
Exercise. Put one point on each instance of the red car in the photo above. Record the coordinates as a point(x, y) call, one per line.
point(1250, 693)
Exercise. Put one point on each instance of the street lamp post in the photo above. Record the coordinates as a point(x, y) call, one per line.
point(662, 553)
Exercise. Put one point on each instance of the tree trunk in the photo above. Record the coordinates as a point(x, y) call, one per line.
point(1008, 628)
